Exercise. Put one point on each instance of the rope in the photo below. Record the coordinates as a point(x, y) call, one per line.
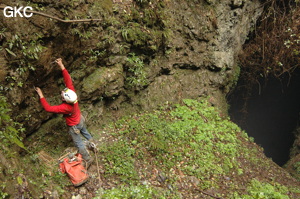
point(98, 170)
point(97, 162)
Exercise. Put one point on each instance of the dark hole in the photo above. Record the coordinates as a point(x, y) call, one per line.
point(271, 113)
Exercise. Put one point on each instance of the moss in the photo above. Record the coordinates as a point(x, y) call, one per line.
point(94, 81)
point(146, 27)
point(106, 5)
point(101, 78)
point(234, 77)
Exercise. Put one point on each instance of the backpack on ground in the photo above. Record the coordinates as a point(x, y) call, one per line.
point(72, 165)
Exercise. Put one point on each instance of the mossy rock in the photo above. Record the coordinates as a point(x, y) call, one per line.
point(102, 78)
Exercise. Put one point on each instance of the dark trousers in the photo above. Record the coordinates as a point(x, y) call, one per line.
point(81, 127)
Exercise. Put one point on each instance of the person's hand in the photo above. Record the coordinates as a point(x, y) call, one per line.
point(39, 92)
point(59, 63)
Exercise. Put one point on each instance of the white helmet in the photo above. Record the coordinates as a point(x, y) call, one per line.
point(69, 96)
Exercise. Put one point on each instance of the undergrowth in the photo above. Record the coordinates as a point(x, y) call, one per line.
point(10, 130)
point(176, 143)
point(259, 190)
point(137, 192)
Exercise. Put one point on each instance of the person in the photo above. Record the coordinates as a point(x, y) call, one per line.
point(71, 111)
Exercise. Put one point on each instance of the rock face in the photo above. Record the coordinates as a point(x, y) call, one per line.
point(198, 57)
point(138, 57)
point(204, 45)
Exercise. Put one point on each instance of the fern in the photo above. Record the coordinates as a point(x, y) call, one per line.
point(9, 130)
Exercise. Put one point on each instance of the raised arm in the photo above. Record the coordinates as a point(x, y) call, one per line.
point(66, 75)
point(60, 64)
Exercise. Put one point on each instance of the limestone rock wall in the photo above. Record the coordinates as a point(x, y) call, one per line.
point(198, 58)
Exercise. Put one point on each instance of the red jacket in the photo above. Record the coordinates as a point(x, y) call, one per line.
point(71, 111)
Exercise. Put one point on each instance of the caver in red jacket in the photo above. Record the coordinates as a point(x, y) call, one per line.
point(71, 111)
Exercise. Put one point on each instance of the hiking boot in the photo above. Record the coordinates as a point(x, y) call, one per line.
point(91, 145)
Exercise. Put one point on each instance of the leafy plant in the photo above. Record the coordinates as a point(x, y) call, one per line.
point(81, 33)
point(95, 54)
point(136, 34)
point(119, 160)
point(259, 190)
point(190, 139)
point(2, 33)
point(29, 50)
point(23, 53)
point(10, 130)
point(137, 192)
point(146, 28)
point(137, 76)
point(297, 167)
point(3, 194)
point(177, 136)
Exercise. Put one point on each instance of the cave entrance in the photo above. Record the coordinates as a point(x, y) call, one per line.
point(269, 113)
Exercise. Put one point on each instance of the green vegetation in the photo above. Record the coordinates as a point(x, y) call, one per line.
point(134, 33)
point(191, 138)
point(146, 27)
point(50, 175)
point(137, 192)
point(81, 33)
point(259, 190)
point(137, 78)
point(297, 166)
point(180, 142)
point(26, 50)
point(23, 53)
point(3, 194)
point(124, 166)
point(297, 170)
point(10, 130)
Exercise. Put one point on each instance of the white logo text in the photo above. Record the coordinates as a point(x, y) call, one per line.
point(17, 11)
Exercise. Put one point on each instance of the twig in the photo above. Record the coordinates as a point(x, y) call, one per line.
point(204, 118)
point(208, 194)
point(62, 157)
point(56, 18)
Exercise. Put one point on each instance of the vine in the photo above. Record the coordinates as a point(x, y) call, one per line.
point(274, 49)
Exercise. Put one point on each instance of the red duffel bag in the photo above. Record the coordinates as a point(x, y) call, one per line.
point(75, 170)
